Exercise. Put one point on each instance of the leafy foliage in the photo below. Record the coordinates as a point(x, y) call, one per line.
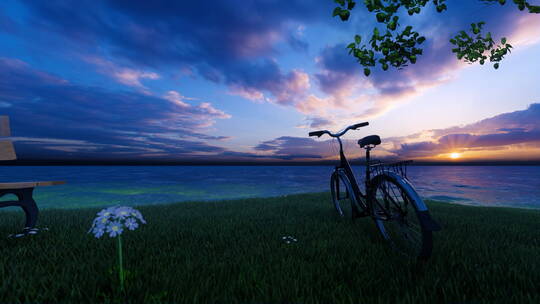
point(397, 49)
point(472, 50)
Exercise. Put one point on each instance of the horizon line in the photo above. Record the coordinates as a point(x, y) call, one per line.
point(40, 162)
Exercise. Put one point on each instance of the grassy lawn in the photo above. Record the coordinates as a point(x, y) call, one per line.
point(233, 252)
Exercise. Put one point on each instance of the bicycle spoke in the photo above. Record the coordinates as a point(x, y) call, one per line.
point(401, 228)
point(388, 197)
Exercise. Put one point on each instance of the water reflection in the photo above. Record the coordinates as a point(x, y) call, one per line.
point(514, 186)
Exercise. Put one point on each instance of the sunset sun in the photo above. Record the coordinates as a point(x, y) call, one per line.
point(455, 155)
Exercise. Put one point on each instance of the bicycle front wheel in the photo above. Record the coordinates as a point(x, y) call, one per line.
point(395, 209)
point(343, 197)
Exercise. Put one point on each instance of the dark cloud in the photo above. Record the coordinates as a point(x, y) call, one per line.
point(419, 149)
point(57, 116)
point(287, 147)
point(265, 75)
point(516, 121)
point(318, 122)
point(338, 69)
point(297, 43)
point(518, 127)
point(496, 133)
point(226, 41)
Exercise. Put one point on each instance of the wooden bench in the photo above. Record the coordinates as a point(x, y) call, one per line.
point(23, 190)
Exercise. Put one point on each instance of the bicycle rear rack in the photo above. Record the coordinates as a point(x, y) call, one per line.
point(399, 167)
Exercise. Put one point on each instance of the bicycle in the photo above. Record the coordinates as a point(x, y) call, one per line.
point(390, 199)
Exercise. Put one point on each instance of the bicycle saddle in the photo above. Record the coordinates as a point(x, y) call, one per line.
point(369, 140)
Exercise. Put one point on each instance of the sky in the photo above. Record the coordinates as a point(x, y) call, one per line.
point(230, 80)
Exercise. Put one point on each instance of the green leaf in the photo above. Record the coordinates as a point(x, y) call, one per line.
point(410, 12)
point(376, 32)
point(482, 61)
point(381, 17)
point(496, 65)
point(340, 2)
point(407, 30)
point(351, 5)
point(503, 40)
point(357, 39)
point(453, 41)
point(351, 45)
point(367, 71)
point(502, 2)
point(534, 9)
point(344, 15)
point(392, 25)
point(421, 39)
point(417, 10)
point(336, 12)
point(385, 67)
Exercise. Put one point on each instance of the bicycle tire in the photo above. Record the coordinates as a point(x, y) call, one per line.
point(343, 197)
point(401, 216)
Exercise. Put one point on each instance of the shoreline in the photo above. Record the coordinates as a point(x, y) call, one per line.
point(236, 200)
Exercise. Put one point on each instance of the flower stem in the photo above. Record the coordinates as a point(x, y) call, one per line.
point(120, 264)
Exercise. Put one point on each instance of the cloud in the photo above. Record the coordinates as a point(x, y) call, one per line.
point(127, 76)
point(57, 116)
point(514, 134)
point(251, 80)
point(225, 41)
point(520, 129)
point(288, 147)
point(341, 78)
point(338, 71)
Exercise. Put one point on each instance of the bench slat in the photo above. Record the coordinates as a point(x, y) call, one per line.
point(4, 126)
point(7, 151)
point(29, 184)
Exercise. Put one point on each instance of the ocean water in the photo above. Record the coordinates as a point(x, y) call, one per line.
point(96, 186)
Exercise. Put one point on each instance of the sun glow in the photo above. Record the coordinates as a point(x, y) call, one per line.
point(454, 155)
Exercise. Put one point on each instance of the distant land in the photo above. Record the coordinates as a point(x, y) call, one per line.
point(250, 163)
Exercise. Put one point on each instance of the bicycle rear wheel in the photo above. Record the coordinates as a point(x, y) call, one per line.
point(395, 211)
point(343, 197)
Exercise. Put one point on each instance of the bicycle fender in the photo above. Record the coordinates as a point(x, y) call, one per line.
point(428, 222)
point(423, 212)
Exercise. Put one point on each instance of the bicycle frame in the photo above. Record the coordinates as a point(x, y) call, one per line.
point(345, 166)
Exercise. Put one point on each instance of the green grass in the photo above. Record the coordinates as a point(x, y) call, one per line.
point(232, 252)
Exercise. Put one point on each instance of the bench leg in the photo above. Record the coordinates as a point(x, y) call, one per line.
point(30, 208)
point(26, 202)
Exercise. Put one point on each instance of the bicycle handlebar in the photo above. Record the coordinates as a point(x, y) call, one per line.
point(353, 127)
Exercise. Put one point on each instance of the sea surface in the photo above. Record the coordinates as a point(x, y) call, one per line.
point(97, 186)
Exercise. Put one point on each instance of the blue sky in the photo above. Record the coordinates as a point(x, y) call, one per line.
point(247, 80)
